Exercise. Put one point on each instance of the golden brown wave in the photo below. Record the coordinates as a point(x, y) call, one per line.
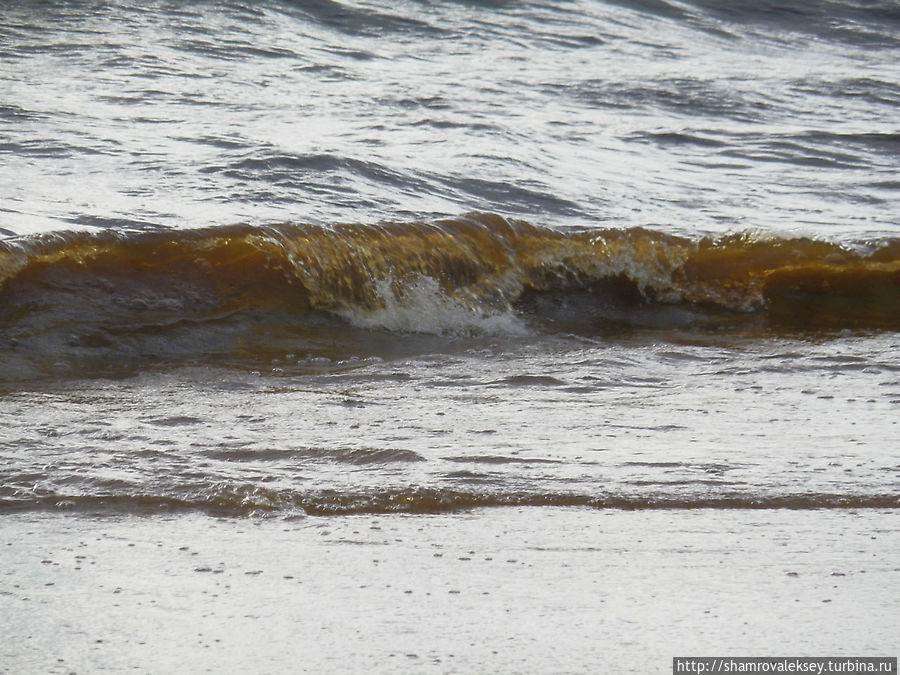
point(481, 257)
point(130, 292)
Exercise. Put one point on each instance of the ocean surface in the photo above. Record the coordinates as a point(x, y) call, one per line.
point(288, 260)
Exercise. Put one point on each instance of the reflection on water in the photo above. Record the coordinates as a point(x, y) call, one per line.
point(625, 423)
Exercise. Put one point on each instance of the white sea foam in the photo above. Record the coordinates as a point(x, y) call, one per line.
point(422, 306)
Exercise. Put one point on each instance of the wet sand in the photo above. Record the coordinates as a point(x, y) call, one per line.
point(493, 590)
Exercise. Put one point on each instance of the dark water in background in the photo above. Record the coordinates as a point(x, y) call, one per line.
point(237, 275)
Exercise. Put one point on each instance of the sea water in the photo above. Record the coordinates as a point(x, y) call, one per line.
point(598, 267)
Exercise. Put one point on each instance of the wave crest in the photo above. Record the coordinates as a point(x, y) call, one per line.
point(238, 290)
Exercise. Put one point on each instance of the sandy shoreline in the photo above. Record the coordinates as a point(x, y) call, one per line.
point(497, 590)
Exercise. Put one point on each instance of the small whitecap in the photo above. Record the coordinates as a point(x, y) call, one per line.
point(422, 306)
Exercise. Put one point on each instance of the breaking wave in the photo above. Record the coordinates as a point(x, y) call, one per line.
point(230, 292)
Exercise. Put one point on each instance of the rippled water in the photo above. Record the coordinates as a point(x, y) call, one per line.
point(689, 116)
point(630, 424)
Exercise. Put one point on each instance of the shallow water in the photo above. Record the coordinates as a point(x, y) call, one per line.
point(503, 590)
point(624, 423)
